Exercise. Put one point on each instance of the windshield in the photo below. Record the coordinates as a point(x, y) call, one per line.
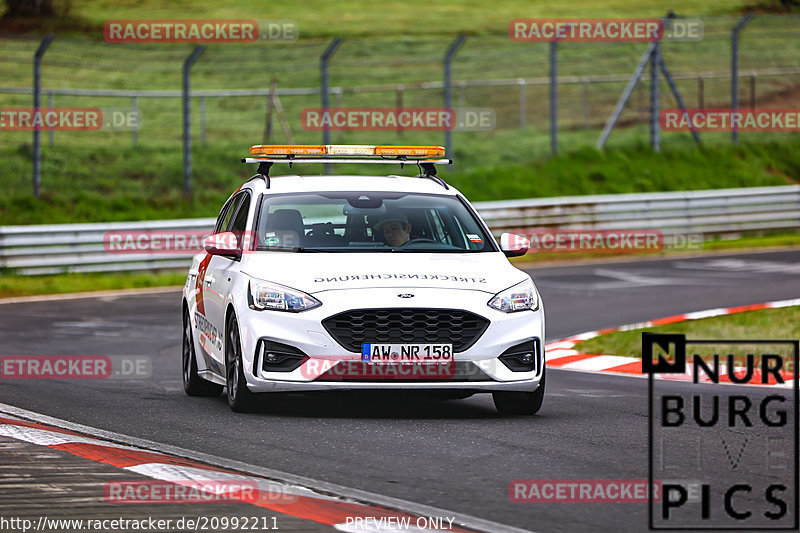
point(369, 222)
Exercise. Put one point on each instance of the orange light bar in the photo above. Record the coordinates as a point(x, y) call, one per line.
point(288, 149)
point(345, 149)
point(409, 150)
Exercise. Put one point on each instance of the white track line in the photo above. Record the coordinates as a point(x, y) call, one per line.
point(322, 489)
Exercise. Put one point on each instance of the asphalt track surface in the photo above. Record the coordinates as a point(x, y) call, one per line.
point(455, 455)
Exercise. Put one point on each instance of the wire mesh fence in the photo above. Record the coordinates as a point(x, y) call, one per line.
point(231, 94)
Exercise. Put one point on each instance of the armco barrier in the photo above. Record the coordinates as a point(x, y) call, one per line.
point(43, 249)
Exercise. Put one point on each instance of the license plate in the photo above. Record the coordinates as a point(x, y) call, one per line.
point(406, 353)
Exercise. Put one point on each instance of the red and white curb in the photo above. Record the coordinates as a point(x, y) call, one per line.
point(562, 353)
point(340, 512)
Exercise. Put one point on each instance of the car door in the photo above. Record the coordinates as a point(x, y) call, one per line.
point(208, 333)
point(219, 274)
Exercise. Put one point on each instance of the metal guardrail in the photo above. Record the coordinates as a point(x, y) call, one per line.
point(45, 249)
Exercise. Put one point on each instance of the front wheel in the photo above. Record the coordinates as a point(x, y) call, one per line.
point(240, 399)
point(193, 384)
point(520, 403)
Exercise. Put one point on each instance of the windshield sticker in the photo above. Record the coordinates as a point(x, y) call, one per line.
point(474, 238)
point(271, 240)
point(440, 277)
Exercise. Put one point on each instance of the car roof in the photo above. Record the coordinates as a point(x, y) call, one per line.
point(317, 183)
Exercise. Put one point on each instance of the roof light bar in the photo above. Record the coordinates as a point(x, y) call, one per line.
point(346, 149)
point(288, 149)
point(409, 150)
point(261, 159)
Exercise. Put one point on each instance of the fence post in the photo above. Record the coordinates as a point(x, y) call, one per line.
point(586, 103)
point(51, 133)
point(554, 96)
point(523, 102)
point(37, 102)
point(752, 91)
point(135, 109)
point(323, 73)
point(203, 119)
point(448, 89)
point(626, 94)
point(655, 140)
point(701, 89)
point(398, 102)
point(735, 69)
point(187, 121)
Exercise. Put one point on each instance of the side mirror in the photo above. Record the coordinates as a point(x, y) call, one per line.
point(225, 244)
point(514, 245)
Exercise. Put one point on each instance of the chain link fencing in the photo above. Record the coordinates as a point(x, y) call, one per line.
point(231, 96)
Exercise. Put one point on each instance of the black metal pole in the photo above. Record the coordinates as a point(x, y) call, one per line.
point(448, 88)
point(735, 69)
point(655, 139)
point(325, 89)
point(37, 102)
point(187, 121)
point(554, 97)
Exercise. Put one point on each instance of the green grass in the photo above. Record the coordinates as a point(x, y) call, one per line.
point(774, 240)
point(781, 323)
point(12, 286)
point(145, 182)
point(323, 18)
point(91, 176)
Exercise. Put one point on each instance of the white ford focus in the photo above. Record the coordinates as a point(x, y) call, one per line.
point(316, 283)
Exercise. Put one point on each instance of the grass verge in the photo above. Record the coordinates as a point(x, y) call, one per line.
point(12, 286)
point(779, 240)
point(781, 323)
point(145, 182)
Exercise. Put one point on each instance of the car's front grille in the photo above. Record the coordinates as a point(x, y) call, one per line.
point(353, 328)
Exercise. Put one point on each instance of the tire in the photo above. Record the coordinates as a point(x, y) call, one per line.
point(240, 399)
point(520, 403)
point(193, 384)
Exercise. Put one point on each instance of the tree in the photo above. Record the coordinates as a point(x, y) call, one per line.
point(30, 8)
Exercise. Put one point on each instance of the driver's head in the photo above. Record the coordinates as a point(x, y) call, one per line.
point(396, 230)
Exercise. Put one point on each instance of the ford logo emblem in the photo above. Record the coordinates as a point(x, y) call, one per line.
point(405, 295)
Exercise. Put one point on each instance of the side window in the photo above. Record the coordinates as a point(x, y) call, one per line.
point(225, 215)
point(239, 224)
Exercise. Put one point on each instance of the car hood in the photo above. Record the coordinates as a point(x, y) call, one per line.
point(488, 272)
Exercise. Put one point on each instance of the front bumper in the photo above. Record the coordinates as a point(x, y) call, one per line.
point(329, 366)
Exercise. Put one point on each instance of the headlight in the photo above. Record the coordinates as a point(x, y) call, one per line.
point(265, 295)
point(520, 297)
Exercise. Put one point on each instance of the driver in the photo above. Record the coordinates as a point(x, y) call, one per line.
point(396, 230)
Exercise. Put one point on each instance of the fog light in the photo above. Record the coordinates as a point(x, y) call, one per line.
point(276, 357)
point(522, 357)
